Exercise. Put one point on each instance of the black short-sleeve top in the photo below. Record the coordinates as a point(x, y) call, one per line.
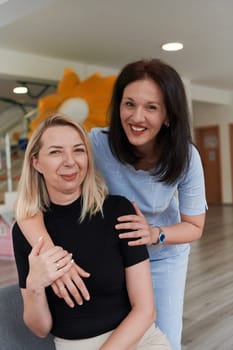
point(97, 248)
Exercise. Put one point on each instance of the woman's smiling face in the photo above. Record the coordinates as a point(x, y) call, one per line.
point(63, 162)
point(142, 113)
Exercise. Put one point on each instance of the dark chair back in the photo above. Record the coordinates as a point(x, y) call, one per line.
point(14, 335)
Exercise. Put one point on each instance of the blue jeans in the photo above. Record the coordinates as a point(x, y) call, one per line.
point(169, 276)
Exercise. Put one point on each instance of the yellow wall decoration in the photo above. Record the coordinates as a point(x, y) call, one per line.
point(86, 101)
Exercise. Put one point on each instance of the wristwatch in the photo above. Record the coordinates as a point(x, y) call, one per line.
point(162, 236)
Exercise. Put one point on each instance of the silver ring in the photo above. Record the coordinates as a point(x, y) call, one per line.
point(61, 288)
point(57, 266)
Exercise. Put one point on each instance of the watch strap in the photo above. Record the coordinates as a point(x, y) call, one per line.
point(161, 237)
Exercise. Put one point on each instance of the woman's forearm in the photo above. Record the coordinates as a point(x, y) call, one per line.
point(33, 228)
point(37, 315)
point(131, 330)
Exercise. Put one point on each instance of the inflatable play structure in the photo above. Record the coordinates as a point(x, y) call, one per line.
point(86, 101)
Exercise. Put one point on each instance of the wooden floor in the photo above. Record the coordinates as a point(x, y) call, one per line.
point(208, 309)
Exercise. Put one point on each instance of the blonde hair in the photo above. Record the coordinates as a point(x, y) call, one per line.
point(32, 191)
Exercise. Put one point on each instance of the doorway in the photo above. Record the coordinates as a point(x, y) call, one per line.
point(208, 143)
point(231, 154)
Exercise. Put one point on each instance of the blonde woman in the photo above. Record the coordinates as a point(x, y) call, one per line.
point(59, 179)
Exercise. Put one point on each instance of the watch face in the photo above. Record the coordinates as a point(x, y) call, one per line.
point(162, 237)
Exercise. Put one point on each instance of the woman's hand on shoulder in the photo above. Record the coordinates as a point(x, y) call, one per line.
point(138, 227)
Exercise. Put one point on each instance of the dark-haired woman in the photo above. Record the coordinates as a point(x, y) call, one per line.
point(147, 155)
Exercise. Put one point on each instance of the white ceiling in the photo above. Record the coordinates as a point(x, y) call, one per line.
point(114, 32)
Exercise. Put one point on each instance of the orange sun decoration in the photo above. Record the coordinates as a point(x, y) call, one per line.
point(86, 101)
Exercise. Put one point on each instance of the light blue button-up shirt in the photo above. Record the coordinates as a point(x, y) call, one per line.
point(160, 203)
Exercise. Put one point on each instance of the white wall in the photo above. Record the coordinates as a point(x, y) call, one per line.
point(25, 65)
point(208, 106)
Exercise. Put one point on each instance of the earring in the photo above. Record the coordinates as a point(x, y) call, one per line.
point(167, 124)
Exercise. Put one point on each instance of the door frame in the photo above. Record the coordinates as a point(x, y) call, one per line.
point(231, 154)
point(197, 133)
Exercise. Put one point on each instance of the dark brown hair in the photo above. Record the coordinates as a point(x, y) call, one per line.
point(172, 146)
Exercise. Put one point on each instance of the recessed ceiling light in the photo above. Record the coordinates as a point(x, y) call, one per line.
point(20, 90)
point(172, 46)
